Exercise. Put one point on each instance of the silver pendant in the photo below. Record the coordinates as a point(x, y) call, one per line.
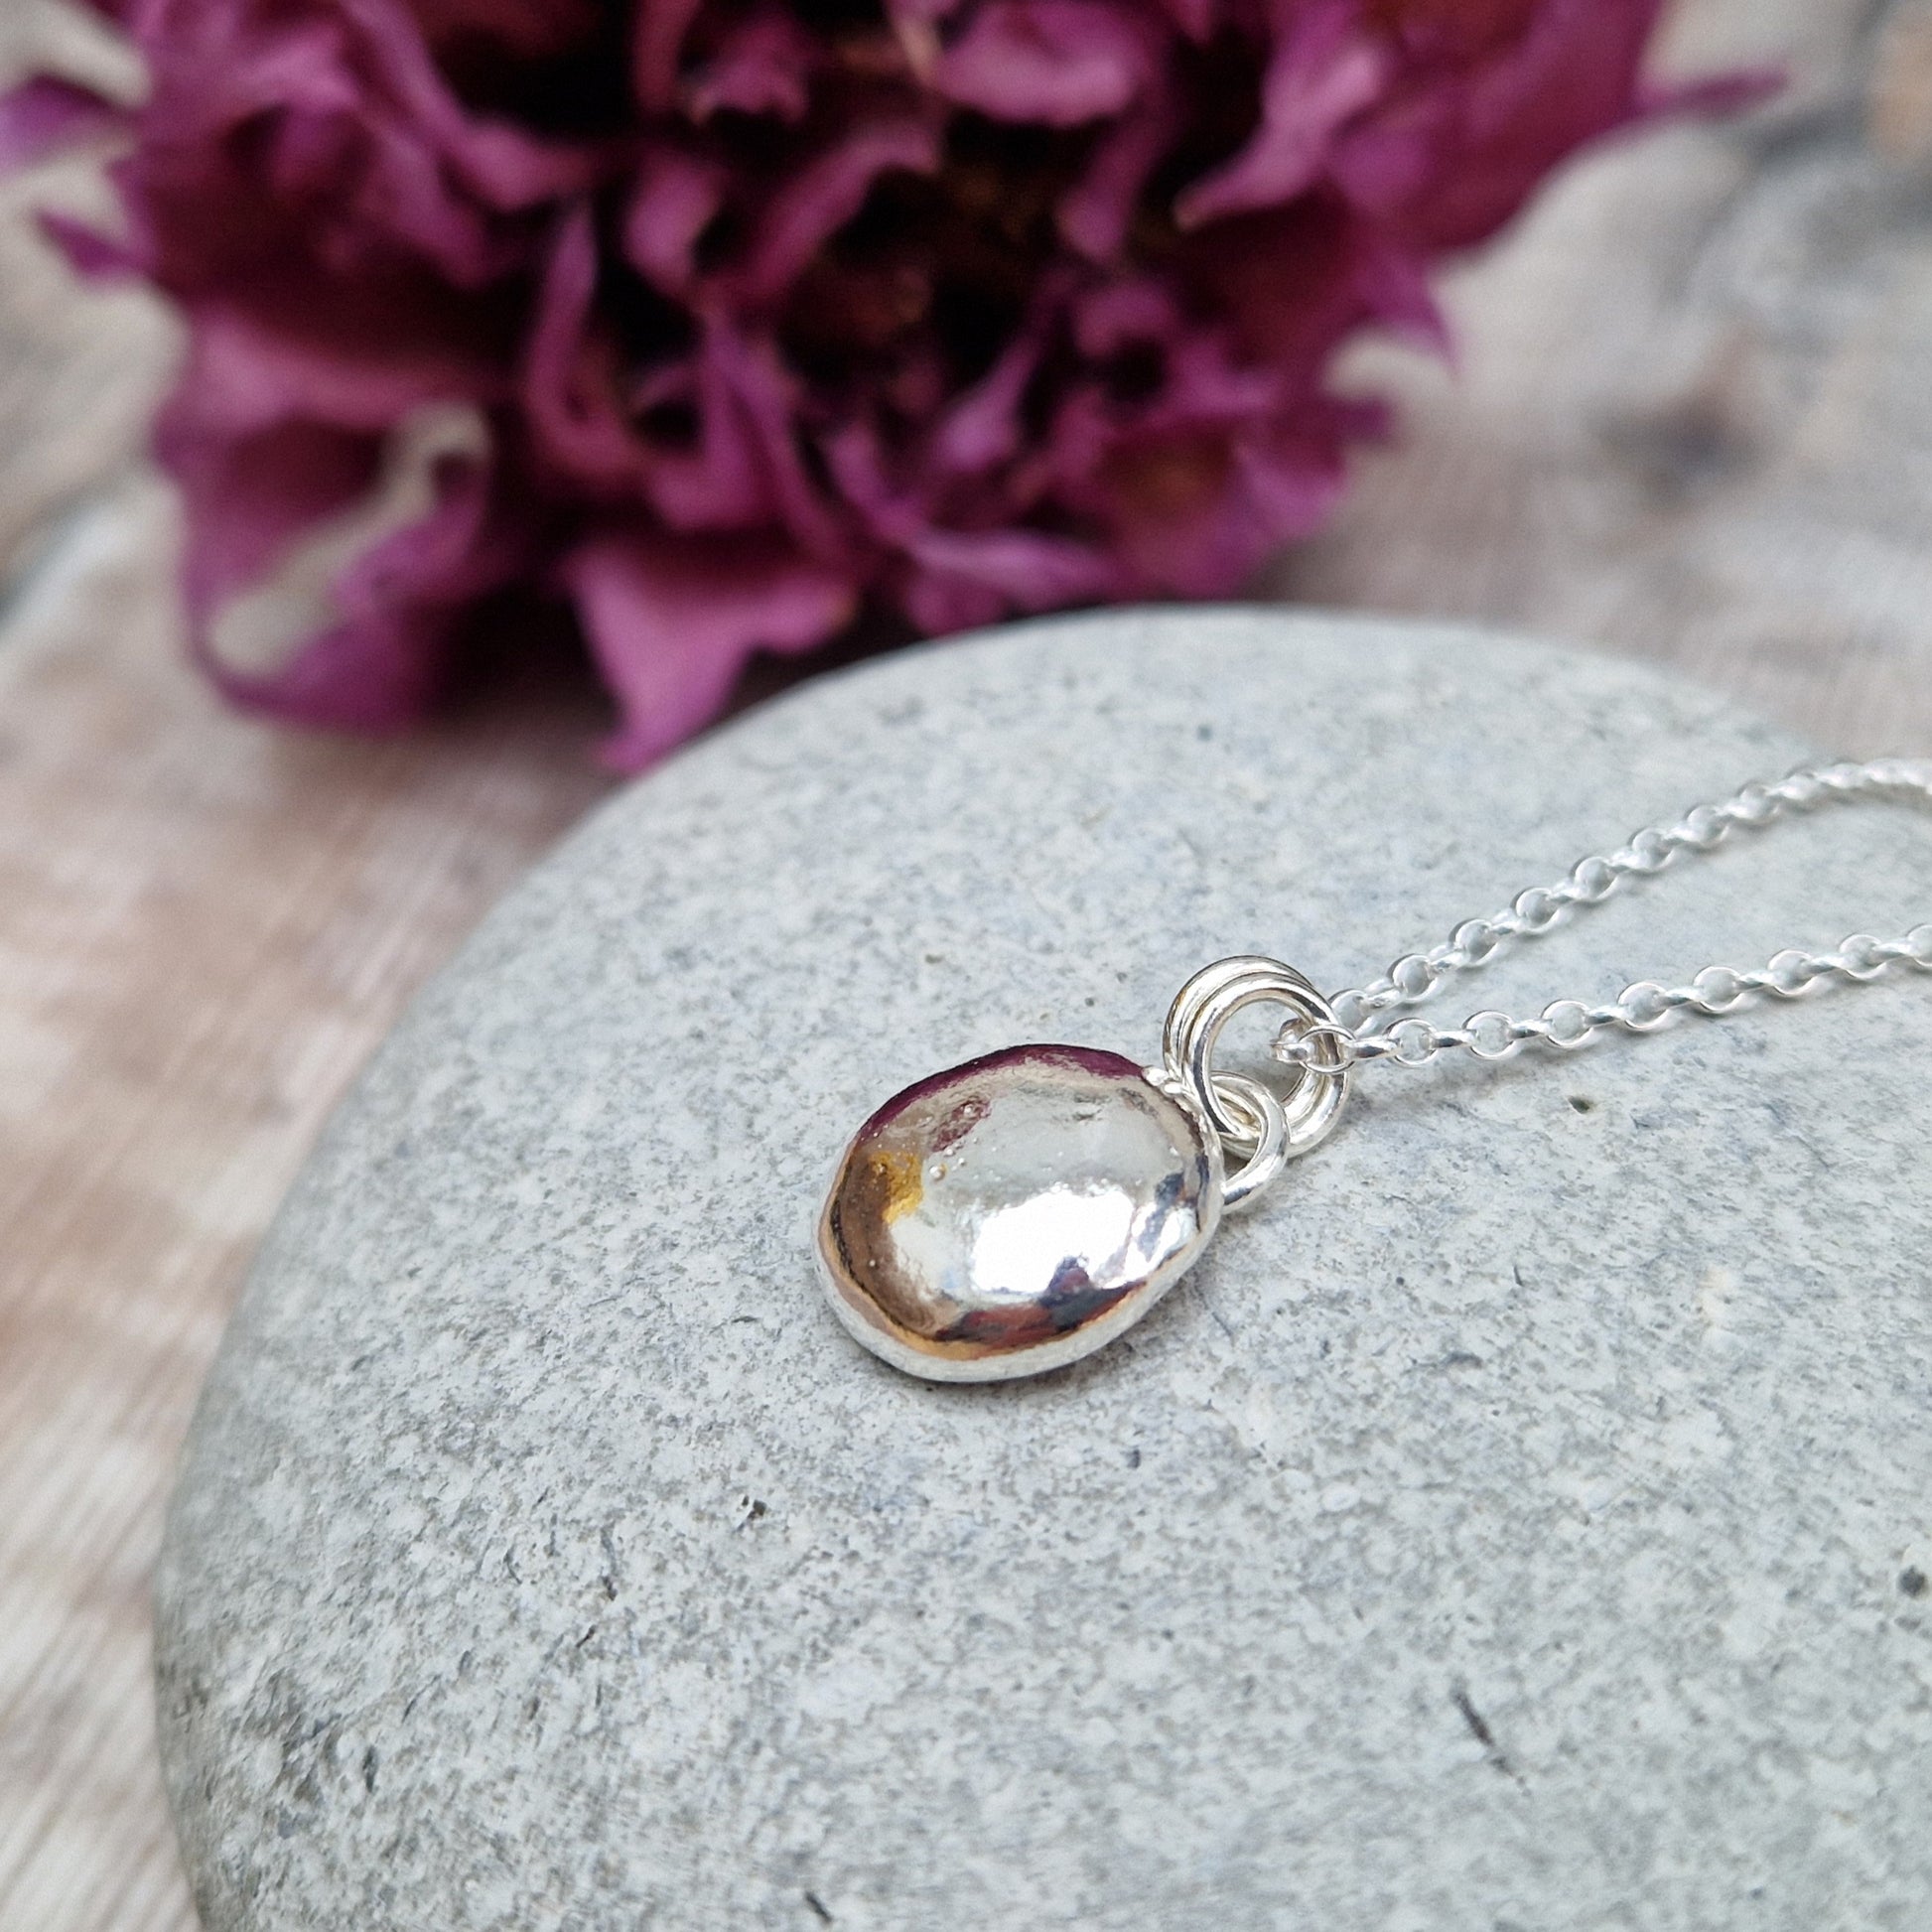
point(1016, 1213)
point(1020, 1212)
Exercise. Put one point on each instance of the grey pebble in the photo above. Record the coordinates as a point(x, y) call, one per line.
point(1521, 1519)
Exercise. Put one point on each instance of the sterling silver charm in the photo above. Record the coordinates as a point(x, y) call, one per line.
point(1020, 1212)
point(1017, 1212)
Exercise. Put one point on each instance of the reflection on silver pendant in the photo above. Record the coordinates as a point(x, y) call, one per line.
point(1017, 1212)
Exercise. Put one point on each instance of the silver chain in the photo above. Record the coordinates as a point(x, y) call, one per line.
point(1365, 1028)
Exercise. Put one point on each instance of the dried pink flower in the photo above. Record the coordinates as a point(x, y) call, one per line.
point(952, 308)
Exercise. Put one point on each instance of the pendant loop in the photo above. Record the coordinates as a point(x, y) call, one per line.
point(1310, 1108)
point(1270, 1153)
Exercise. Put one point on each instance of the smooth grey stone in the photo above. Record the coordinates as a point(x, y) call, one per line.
point(1522, 1519)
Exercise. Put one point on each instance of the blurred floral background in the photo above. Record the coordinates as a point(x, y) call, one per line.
point(479, 340)
point(741, 324)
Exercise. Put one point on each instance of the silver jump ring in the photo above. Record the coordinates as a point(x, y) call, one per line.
point(1270, 1134)
point(1311, 1107)
point(1298, 1031)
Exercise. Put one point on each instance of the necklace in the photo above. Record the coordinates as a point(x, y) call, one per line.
point(1014, 1214)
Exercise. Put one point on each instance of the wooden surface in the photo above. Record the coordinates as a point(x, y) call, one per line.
point(1694, 421)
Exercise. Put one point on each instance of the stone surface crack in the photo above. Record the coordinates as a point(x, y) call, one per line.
point(1481, 1732)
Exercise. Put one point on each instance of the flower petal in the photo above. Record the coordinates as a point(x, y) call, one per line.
point(1096, 212)
point(256, 475)
point(766, 395)
point(1294, 282)
point(249, 494)
point(672, 622)
point(1027, 570)
point(1194, 513)
point(46, 114)
point(570, 378)
point(1056, 62)
point(717, 479)
point(503, 164)
point(761, 67)
point(1450, 164)
point(1197, 19)
point(381, 665)
point(90, 254)
point(1323, 71)
point(658, 43)
point(982, 427)
point(826, 194)
point(265, 435)
point(530, 28)
point(674, 199)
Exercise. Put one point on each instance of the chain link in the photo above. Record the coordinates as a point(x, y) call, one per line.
point(1366, 1026)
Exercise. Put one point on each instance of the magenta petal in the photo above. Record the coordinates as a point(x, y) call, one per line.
point(658, 42)
point(1291, 490)
point(675, 198)
point(1027, 570)
point(247, 497)
point(1197, 19)
point(510, 170)
point(858, 469)
point(506, 167)
point(1493, 133)
point(46, 114)
point(1096, 212)
point(88, 252)
point(671, 625)
point(766, 392)
point(982, 426)
point(1056, 62)
point(380, 673)
point(1195, 519)
point(569, 382)
point(827, 194)
point(383, 663)
point(961, 578)
point(719, 482)
point(1295, 282)
point(249, 371)
point(254, 470)
point(1717, 93)
point(939, 605)
point(761, 68)
point(1106, 320)
point(528, 29)
point(739, 464)
point(1393, 284)
point(265, 435)
point(1321, 74)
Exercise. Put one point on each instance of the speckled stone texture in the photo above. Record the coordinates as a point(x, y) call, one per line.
point(1520, 1520)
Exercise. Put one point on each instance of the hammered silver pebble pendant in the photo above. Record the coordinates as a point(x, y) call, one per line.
point(1017, 1212)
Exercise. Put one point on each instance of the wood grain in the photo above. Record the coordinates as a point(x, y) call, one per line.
point(1694, 421)
point(203, 927)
